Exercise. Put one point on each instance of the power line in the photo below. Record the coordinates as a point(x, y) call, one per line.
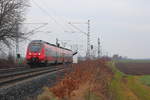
point(44, 11)
point(99, 51)
point(54, 12)
point(86, 33)
point(88, 40)
point(72, 24)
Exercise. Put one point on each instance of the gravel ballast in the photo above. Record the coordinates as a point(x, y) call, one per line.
point(28, 88)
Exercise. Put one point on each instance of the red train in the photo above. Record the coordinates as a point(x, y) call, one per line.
point(41, 52)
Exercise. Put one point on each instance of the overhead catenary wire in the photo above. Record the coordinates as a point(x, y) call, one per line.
point(54, 12)
point(87, 34)
point(47, 13)
point(62, 26)
point(78, 28)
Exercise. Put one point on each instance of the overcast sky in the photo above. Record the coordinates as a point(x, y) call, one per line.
point(122, 25)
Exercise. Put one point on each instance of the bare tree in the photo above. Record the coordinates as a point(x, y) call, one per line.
point(11, 16)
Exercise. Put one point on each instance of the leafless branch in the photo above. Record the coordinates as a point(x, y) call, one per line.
point(11, 15)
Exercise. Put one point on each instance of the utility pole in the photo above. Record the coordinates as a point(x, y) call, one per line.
point(88, 40)
point(17, 35)
point(86, 33)
point(17, 43)
point(99, 47)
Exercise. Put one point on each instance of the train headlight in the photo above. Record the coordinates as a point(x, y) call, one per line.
point(39, 54)
point(30, 54)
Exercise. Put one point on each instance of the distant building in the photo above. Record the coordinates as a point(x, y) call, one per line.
point(117, 57)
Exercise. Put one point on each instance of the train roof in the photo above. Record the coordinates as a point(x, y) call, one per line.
point(41, 41)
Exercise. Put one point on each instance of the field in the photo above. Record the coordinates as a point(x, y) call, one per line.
point(128, 84)
point(134, 67)
point(101, 80)
point(139, 69)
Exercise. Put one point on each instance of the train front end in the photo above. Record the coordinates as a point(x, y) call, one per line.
point(35, 54)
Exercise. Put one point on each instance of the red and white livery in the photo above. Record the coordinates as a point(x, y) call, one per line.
point(41, 52)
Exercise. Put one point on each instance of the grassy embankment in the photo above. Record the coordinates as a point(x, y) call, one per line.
point(127, 87)
point(94, 80)
point(89, 80)
point(145, 79)
point(133, 61)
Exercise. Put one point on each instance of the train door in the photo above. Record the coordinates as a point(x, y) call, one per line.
point(56, 55)
point(62, 56)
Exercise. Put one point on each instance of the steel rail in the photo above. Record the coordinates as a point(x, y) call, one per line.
point(22, 72)
point(8, 70)
point(23, 76)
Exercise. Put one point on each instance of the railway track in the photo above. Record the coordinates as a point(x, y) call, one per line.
point(12, 70)
point(10, 78)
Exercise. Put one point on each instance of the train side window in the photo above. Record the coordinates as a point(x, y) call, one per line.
point(49, 52)
point(46, 50)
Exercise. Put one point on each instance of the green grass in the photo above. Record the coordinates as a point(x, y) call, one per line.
point(141, 91)
point(127, 87)
point(145, 79)
point(117, 88)
point(132, 61)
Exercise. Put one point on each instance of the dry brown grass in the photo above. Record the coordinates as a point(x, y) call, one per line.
point(87, 79)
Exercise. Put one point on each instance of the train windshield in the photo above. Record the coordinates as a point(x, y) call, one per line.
point(35, 48)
